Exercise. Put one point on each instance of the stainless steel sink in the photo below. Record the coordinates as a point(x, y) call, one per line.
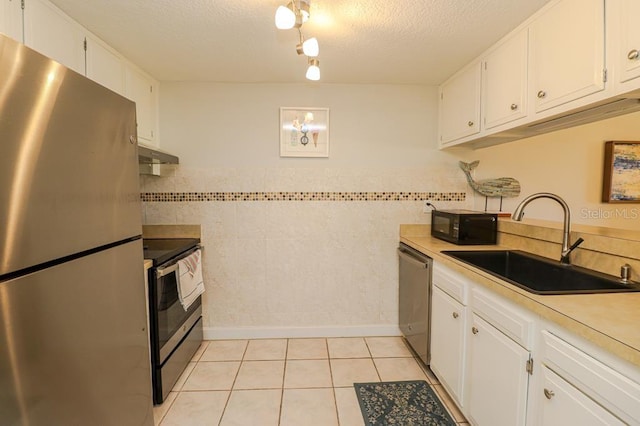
point(540, 275)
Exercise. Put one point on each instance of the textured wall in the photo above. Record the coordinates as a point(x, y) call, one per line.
point(569, 163)
point(324, 262)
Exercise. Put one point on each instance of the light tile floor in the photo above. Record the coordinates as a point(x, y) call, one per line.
point(284, 382)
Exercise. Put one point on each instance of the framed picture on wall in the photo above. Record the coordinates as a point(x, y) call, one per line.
point(621, 182)
point(304, 132)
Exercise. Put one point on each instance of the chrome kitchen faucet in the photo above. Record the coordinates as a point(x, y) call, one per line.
point(566, 250)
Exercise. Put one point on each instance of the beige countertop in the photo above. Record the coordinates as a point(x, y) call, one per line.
point(608, 320)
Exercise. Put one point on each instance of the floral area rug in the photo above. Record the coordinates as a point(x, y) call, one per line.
point(410, 403)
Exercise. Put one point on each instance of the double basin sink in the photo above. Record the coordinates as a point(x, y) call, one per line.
point(540, 275)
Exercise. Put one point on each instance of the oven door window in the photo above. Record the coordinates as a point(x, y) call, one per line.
point(171, 314)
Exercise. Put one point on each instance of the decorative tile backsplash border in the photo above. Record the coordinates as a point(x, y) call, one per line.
point(300, 196)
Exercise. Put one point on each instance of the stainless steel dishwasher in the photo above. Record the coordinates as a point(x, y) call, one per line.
point(415, 299)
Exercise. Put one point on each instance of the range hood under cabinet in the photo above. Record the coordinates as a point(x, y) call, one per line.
point(151, 159)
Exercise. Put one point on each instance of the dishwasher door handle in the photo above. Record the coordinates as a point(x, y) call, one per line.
point(412, 259)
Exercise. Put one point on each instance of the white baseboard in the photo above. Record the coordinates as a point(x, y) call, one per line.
point(214, 333)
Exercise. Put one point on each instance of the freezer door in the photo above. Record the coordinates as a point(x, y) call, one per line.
point(68, 161)
point(73, 343)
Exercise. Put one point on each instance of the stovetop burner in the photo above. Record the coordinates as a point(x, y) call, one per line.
point(161, 250)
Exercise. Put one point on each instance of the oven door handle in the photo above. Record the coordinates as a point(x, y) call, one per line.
point(161, 272)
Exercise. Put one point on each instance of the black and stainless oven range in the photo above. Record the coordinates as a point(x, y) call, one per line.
point(175, 334)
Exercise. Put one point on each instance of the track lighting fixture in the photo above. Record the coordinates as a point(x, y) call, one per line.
point(309, 47)
point(313, 72)
point(285, 17)
point(293, 15)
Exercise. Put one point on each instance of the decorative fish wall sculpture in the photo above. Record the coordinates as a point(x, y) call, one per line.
point(499, 187)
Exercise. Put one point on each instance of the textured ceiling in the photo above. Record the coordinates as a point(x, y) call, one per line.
point(361, 41)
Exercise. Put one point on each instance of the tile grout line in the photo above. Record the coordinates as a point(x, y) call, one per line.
point(226, 404)
point(333, 388)
point(372, 360)
point(284, 372)
point(181, 387)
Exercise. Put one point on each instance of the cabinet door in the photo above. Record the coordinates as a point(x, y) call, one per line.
point(104, 66)
point(447, 342)
point(504, 85)
point(460, 105)
point(11, 19)
point(54, 34)
point(567, 52)
point(563, 404)
point(497, 377)
point(629, 53)
point(140, 89)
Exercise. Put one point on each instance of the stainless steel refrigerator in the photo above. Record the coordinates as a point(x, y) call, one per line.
point(73, 338)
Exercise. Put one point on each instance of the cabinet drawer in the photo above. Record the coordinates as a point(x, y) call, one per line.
point(614, 391)
point(562, 404)
point(509, 319)
point(449, 281)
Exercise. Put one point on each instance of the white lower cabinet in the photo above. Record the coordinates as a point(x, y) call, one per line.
point(497, 377)
point(563, 404)
point(503, 365)
point(480, 349)
point(584, 385)
point(448, 319)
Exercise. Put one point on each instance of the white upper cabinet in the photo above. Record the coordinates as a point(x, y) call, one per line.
point(572, 56)
point(11, 19)
point(460, 105)
point(504, 81)
point(52, 33)
point(567, 53)
point(142, 89)
point(104, 65)
point(628, 55)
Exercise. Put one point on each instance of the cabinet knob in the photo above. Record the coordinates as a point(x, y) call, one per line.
point(633, 54)
point(514, 107)
point(455, 315)
point(542, 94)
point(470, 124)
point(548, 393)
point(474, 330)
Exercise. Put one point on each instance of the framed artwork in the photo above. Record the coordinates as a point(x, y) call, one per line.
point(304, 132)
point(621, 182)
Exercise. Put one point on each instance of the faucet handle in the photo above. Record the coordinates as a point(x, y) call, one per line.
point(576, 244)
point(564, 257)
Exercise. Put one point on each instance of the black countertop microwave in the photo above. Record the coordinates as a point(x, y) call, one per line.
point(464, 227)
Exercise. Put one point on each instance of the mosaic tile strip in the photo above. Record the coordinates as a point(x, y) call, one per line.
point(300, 196)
